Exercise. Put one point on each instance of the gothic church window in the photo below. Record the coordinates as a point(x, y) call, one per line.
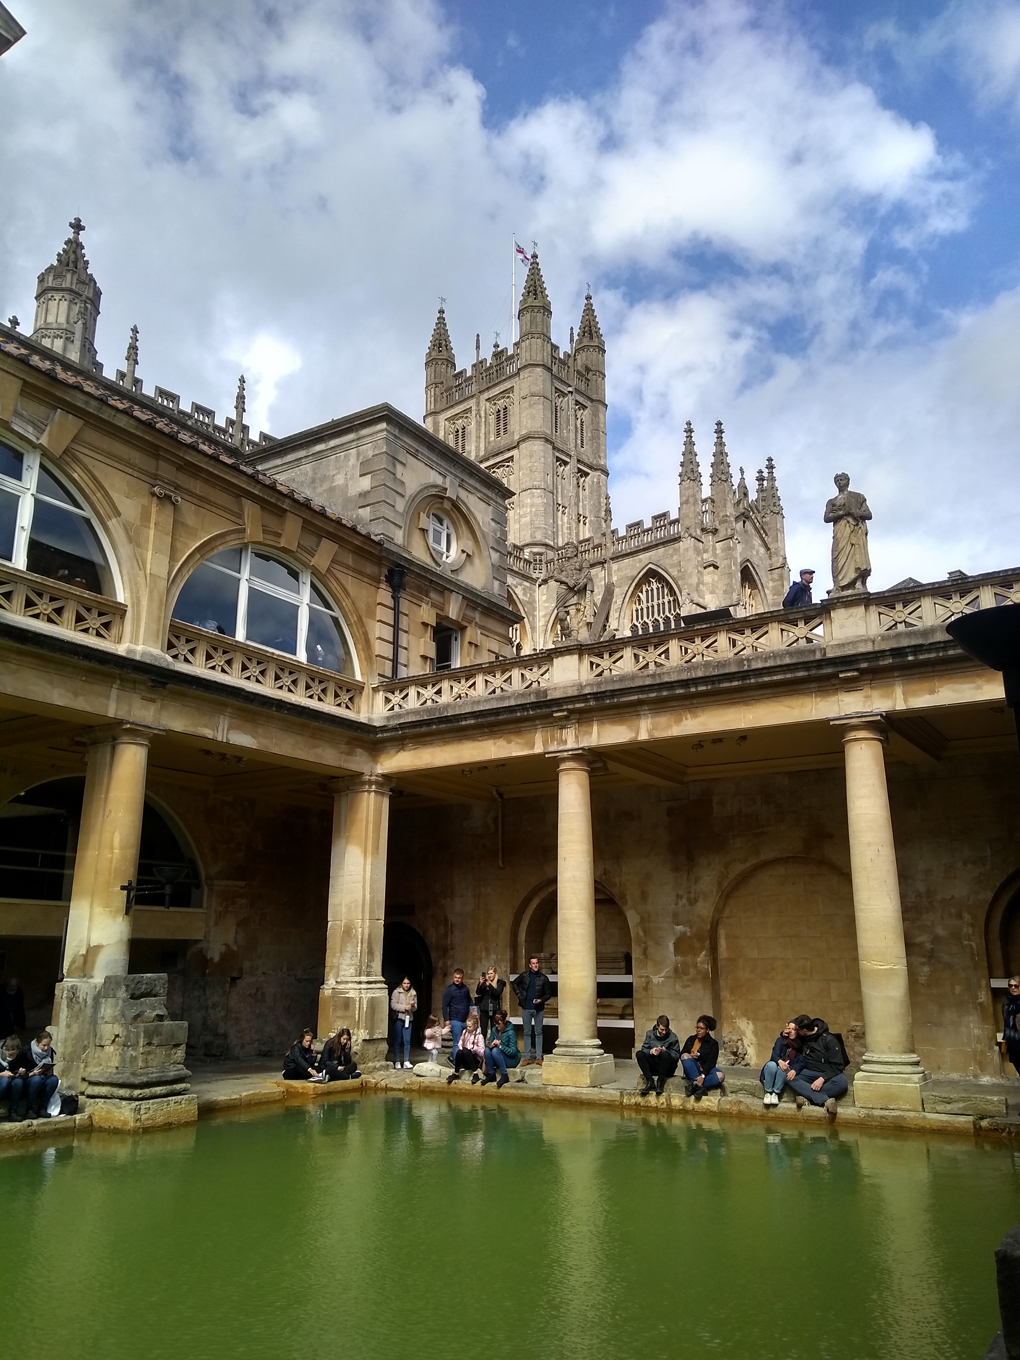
point(750, 593)
point(502, 419)
point(655, 607)
point(246, 593)
point(581, 414)
point(45, 529)
point(457, 434)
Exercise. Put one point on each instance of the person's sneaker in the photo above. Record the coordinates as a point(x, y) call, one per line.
point(408, 1067)
point(452, 1077)
point(830, 1108)
point(502, 1082)
point(396, 1067)
point(774, 1099)
point(699, 1092)
point(648, 1088)
point(475, 1078)
point(801, 1102)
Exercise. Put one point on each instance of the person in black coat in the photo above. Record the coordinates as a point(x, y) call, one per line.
point(301, 1063)
point(489, 999)
point(821, 1080)
point(336, 1062)
point(699, 1057)
point(456, 1009)
point(532, 989)
point(658, 1057)
point(799, 594)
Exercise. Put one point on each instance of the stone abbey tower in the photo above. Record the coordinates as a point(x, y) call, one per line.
point(535, 416)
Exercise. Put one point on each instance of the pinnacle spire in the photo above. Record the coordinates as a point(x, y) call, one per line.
point(239, 405)
point(771, 501)
point(533, 294)
point(589, 331)
point(440, 346)
point(131, 360)
point(690, 470)
point(743, 498)
point(720, 458)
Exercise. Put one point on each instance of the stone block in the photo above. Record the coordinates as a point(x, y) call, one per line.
point(598, 1070)
point(431, 1071)
point(980, 1106)
point(134, 986)
point(139, 1116)
point(885, 1092)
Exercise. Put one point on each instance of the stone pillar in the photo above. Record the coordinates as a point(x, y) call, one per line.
point(354, 992)
point(98, 929)
point(891, 1075)
point(578, 1059)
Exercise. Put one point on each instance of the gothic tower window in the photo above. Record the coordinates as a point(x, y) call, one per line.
point(502, 419)
point(457, 433)
point(750, 592)
point(581, 415)
point(45, 529)
point(655, 607)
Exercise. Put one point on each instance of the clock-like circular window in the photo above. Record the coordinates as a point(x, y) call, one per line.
point(442, 537)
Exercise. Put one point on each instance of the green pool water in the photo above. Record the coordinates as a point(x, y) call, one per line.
point(385, 1227)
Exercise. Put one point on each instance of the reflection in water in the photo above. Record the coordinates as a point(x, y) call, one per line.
point(366, 1226)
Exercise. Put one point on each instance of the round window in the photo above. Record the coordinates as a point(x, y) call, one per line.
point(442, 537)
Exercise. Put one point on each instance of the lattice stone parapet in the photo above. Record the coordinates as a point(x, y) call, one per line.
point(69, 608)
point(479, 682)
point(283, 675)
point(928, 606)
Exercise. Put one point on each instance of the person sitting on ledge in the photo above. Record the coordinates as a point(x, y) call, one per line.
point(39, 1060)
point(301, 1063)
point(12, 1075)
point(784, 1064)
point(699, 1057)
point(501, 1052)
point(337, 1061)
point(821, 1079)
point(658, 1057)
point(470, 1051)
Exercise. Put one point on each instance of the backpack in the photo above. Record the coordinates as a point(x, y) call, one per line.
point(844, 1055)
point(68, 1104)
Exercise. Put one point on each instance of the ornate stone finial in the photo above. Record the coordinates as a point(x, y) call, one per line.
point(131, 360)
point(478, 346)
point(589, 333)
point(690, 470)
point(743, 498)
point(571, 339)
point(77, 227)
point(848, 513)
point(534, 292)
point(759, 477)
point(440, 346)
point(239, 412)
point(14, 322)
point(772, 503)
point(495, 341)
point(720, 459)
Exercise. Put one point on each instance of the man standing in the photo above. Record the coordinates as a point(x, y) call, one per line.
point(456, 1009)
point(658, 1057)
point(799, 594)
point(533, 990)
point(821, 1079)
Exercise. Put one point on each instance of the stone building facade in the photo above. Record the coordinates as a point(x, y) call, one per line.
point(535, 417)
point(794, 810)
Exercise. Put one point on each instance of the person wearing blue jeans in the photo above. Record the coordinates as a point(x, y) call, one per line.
point(784, 1064)
point(39, 1060)
point(457, 1004)
point(501, 1051)
point(403, 1003)
point(698, 1058)
point(532, 989)
point(821, 1080)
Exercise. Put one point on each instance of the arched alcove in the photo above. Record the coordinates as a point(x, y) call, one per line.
point(783, 942)
point(653, 605)
point(1002, 928)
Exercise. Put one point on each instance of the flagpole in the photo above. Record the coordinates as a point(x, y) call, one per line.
point(513, 284)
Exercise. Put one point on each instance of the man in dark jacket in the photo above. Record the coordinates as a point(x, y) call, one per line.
point(821, 1079)
point(699, 1057)
point(658, 1057)
point(799, 594)
point(456, 1009)
point(12, 1008)
point(533, 989)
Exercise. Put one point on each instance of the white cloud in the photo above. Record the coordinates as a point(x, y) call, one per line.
point(287, 188)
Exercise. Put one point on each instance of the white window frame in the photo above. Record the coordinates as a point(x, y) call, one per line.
point(302, 597)
point(456, 637)
point(447, 530)
point(26, 490)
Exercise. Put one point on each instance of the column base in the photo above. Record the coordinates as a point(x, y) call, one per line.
point(578, 1064)
point(891, 1081)
point(139, 1116)
point(362, 1005)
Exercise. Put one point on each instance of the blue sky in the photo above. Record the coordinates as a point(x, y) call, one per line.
point(799, 217)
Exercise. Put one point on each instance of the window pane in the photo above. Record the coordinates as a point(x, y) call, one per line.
point(64, 546)
point(271, 622)
point(325, 646)
point(49, 486)
point(209, 599)
point(11, 463)
point(229, 558)
point(268, 569)
point(8, 523)
point(320, 599)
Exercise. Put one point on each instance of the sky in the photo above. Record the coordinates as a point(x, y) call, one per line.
point(799, 217)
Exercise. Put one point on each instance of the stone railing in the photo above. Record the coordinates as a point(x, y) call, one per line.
point(283, 675)
point(841, 620)
point(60, 605)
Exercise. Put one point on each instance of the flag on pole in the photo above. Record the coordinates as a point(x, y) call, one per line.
point(522, 253)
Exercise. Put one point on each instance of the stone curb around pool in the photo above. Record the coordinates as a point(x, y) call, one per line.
point(44, 1128)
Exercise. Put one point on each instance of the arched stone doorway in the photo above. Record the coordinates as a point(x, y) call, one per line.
point(38, 846)
point(535, 933)
point(784, 942)
point(1002, 929)
point(405, 954)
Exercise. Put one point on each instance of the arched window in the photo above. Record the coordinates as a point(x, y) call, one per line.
point(442, 537)
point(44, 527)
point(655, 607)
point(250, 594)
point(750, 592)
point(502, 419)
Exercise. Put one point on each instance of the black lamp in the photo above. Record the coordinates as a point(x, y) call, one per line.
point(992, 636)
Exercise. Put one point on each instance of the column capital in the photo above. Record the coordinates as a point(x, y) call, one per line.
point(360, 783)
point(576, 758)
point(862, 727)
point(137, 734)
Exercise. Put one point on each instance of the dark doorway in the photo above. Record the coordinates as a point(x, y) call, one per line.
point(405, 954)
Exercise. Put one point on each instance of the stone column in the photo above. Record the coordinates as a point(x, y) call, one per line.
point(891, 1075)
point(98, 928)
point(578, 1059)
point(354, 992)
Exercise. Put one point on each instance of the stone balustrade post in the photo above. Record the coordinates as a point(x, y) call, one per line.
point(353, 991)
point(578, 1059)
point(891, 1075)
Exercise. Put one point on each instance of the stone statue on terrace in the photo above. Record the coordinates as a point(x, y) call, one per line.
point(573, 603)
point(848, 513)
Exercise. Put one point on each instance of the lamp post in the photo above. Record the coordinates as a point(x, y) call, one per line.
point(992, 636)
